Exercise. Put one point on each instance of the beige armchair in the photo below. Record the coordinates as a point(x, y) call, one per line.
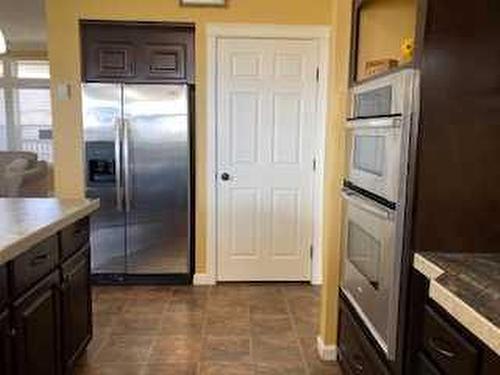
point(23, 175)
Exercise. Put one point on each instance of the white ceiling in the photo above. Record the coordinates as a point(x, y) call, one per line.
point(23, 22)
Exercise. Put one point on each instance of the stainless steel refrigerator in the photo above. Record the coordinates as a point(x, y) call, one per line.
point(138, 162)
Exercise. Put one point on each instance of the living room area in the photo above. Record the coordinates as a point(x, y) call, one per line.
point(26, 153)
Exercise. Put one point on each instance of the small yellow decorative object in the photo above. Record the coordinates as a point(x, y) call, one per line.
point(407, 48)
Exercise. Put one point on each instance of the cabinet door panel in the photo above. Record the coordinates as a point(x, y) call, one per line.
point(5, 344)
point(165, 61)
point(3, 286)
point(37, 326)
point(111, 60)
point(76, 307)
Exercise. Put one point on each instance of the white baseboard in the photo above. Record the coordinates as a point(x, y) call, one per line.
point(316, 280)
point(203, 279)
point(326, 352)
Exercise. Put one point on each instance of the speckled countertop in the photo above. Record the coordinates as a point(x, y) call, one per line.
point(468, 287)
point(26, 221)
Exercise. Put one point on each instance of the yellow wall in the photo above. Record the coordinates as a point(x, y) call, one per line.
point(383, 25)
point(341, 21)
point(64, 55)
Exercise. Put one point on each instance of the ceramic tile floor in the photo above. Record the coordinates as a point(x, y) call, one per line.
point(232, 329)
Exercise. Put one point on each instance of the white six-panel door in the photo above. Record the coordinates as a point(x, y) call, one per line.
point(266, 126)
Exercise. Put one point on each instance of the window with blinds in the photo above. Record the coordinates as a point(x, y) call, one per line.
point(26, 152)
point(25, 108)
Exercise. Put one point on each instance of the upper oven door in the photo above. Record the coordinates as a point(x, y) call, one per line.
point(368, 253)
point(374, 147)
point(386, 96)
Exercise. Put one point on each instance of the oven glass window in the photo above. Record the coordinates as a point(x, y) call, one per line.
point(369, 154)
point(373, 103)
point(363, 251)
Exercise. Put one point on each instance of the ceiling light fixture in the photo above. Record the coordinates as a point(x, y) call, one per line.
point(3, 43)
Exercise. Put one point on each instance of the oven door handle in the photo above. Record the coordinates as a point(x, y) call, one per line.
point(384, 213)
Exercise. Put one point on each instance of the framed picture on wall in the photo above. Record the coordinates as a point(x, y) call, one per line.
point(213, 3)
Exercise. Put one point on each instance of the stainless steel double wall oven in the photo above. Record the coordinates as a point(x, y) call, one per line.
point(378, 129)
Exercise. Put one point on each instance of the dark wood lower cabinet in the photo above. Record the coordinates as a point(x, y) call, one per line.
point(46, 325)
point(3, 286)
point(357, 355)
point(76, 307)
point(437, 344)
point(37, 326)
point(424, 366)
point(5, 344)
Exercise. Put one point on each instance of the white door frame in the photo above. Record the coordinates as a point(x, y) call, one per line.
point(321, 34)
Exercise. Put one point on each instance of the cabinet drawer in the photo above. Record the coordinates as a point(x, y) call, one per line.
point(3, 286)
point(34, 265)
point(356, 351)
point(74, 237)
point(452, 352)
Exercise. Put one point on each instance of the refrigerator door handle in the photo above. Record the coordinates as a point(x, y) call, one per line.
point(118, 165)
point(126, 167)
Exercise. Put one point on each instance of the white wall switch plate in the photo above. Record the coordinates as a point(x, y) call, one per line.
point(63, 91)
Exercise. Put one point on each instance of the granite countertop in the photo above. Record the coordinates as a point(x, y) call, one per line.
point(467, 285)
point(26, 221)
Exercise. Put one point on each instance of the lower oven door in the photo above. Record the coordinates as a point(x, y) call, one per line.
point(368, 253)
point(374, 155)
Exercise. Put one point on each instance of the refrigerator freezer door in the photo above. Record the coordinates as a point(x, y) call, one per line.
point(102, 123)
point(156, 178)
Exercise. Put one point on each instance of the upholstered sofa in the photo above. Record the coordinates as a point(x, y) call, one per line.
point(23, 175)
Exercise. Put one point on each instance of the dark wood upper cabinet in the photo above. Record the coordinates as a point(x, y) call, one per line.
point(36, 317)
point(457, 193)
point(137, 52)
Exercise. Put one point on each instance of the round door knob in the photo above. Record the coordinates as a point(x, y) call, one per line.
point(225, 176)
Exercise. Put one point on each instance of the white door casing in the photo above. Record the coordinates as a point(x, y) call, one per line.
point(266, 129)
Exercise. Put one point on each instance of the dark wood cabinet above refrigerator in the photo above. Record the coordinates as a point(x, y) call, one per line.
point(137, 52)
